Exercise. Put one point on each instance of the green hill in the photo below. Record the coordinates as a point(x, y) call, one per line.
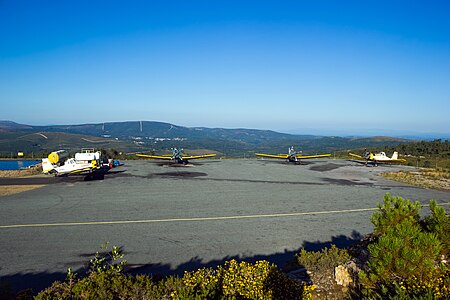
point(38, 142)
point(155, 136)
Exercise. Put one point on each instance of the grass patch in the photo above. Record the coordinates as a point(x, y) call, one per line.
point(425, 178)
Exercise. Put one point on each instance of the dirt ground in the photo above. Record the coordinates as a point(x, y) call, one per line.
point(6, 190)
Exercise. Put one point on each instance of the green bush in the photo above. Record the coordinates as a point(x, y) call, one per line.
point(436, 288)
point(404, 252)
point(439, 223)
point(396, 291)
point(104, 280)
point(393, 212)
point(404, 259)
point(323, 261)
point(107, 261)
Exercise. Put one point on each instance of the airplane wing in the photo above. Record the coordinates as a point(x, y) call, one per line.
point(313, 156)
point(197, 156)
point(154, 156)
point(356, 155)
point(282, 156)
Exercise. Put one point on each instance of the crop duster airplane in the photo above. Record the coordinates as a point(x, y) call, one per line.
point(379, 158)
point(292, 156)
point(85, 163)
point(177, 156)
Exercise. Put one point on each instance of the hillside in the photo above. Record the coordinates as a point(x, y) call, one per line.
point(155, 136)
point(148, 129)
point(38, 142)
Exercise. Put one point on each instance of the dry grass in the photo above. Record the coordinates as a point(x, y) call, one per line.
point(6, 190)
point(425, 178)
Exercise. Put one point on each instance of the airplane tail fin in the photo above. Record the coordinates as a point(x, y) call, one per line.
point(395, 155)
point(47, 166)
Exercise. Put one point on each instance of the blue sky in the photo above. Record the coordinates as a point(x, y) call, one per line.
point(300, 66)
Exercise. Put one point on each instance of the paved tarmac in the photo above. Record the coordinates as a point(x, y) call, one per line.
point(170, 219)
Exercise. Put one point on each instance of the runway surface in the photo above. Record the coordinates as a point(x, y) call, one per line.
point(170, 219)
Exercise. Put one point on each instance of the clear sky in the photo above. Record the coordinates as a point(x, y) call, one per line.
point(282, 65)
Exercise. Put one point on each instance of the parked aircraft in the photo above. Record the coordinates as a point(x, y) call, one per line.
point(177, 156)
point(86, 162)
point(376, 158)
point(292, 156)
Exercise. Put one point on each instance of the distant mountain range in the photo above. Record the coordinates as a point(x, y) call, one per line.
point(134, 136)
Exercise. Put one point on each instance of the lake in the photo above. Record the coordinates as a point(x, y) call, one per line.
point(17, 164)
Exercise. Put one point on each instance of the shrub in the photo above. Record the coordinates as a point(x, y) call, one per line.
point(403, 253)
point(323, 261)
point(204, 283)
point(439, 223)
point(243, 280)
point(107, 285)
point(107, 261)
point(104, 280)
point(247, 280)
point(234, 280)
point(282, 287)
point(436, 288)
point(403, 260)
point(393, 212)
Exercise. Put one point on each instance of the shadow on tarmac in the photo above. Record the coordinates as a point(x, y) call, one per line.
point(52, 179)
point(326, 167)
point(39, 281)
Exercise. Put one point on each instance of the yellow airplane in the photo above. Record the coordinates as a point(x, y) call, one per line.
point(176, 156)
point(292, 156)
point(379, 158)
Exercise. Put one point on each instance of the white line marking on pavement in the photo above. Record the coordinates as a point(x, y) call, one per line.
point(123, 222)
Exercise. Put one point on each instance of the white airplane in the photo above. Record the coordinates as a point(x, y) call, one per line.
point(292, 156)
point(87, 162)
point(379, 158)
point(177, 156)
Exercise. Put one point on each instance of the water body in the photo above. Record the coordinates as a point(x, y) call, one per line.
point(17, 164)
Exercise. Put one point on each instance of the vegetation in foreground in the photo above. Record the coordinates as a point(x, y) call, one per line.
point(407, 258)
point(408, 254)
point(234, 280)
